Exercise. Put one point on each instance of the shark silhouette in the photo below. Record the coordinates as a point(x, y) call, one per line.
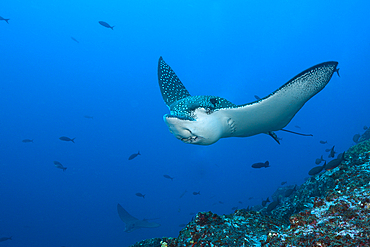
point(131, 222)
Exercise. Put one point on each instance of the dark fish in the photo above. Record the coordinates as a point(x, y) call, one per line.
point(132, 156)
point(221, 202)
point(67, 139)
point(234, 208)
point(104, 24)
point(316, 170)
point(167, 176)
point(140, 195)
point(240, 202)
point(284, 182)
point(257, 97)
point(327, 150)
point(356, 137)
point(249, 198)
point(27, 140)
point(288, 192)
point(75, 40)
point(5, 238)
point(57, 164)
point(335, 162)
point(260, 165)
point(89, 117)
point(318, 161)
point(3, 19)
point(272, 206)
point(264, 202)
point(297, 126)
point(196, 193)
point(183, 193)
point(323, 142)
point(182, 225)
point(365, 127)
point(332, 152)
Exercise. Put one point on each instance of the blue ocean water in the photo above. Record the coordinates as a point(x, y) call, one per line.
point(232, 49)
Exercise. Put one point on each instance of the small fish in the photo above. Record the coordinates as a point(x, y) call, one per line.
point(196, 193)
point(75, 39)
point(89, 117)
point(168, 176)
point(234, 208)
point(59, 165)
point(272, 206)
point(323, 142)
point(27, 140)
point(183, 193)
point(260, 165)
point(5, 238)
point(250, 198)
point(3, 19)
point(67, 139)
point(257, 97)
point(316, 170)
point(335, 162)
point(356, 137)
point(365, 127)
point(182, 225)
point(319, 160)
point(298, 127)
point(327, 150)
point(264, 202)
point(140, 195)
point(104, 24)
point(290, 191)
point(240, 202)
point(332, 152)
point(221, 202)
point(133, 156)
point(284, 182)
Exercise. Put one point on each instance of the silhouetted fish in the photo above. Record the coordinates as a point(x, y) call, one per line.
point(168, 176)
point(319, 160)
point(183, 193)
point(67, 139)
point(327, 150)
point(335, 162)
point(234, 208)
point(272, 206)
point(298, 127)
point(140, 195)
point(240, 202)
point(132, 156)
point(356, 137)
point(5, 238)
point(27, 140)
point(3, 19)
point(196, 193)
point(182, 225)
point(89, 117)
point(332, 152)
point(57, 164)
point(104, 24)
point(264, 202)
point(290, 191)
point(75, 40)
point(284, 182)
point(365, 127)
point(260, 165)
point(257, 97)
point(316, 170)
point(323, 142)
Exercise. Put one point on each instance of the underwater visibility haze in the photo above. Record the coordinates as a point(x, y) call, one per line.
point(86, 156)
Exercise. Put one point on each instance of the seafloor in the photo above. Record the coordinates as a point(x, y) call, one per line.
point(331, 208)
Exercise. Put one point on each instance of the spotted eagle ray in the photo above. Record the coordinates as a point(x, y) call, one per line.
point(203, 120)
point(131, 222)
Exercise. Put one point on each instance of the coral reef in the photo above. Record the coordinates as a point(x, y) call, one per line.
point(329, 209)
